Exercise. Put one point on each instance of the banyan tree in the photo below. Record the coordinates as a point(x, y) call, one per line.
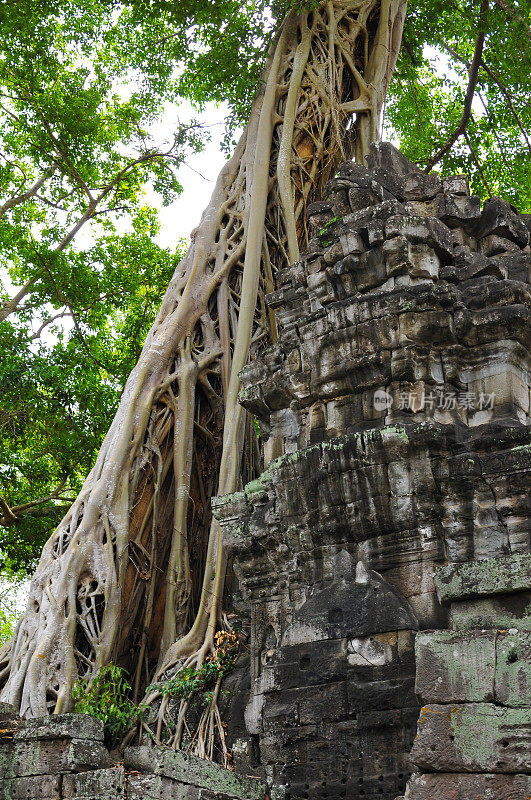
point(134, 574)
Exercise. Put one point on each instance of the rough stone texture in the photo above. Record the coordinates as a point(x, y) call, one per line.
point(186, 769)
point(156, 787)
point(479, 578)
point(63, 726)
point(454, 666)
point(487, 666)
point(43, 787)
point(19, 759)
point(395, 406)
point(64, 758)
point(473, 737)
point(469, 787)
point(103, 784)
point(502, 611)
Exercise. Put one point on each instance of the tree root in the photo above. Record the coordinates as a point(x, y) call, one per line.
point(139, 545)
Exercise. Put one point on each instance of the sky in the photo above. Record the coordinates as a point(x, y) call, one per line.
point(197, 177)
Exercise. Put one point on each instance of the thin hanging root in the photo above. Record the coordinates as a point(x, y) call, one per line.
point(119, 579)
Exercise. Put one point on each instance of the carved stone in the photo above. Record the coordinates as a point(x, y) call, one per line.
point(395, 410)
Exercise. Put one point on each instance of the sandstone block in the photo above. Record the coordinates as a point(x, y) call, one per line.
point(61, 726)
point(473, 737)
point(513, 669)
point(456, 184)
point(102, 784)
point(480, 578)
point(455, 667)
point(502, 611)
point(22, 758)
point(498, 218)
point(191, 770)
point(469, 787)
point(43, 787)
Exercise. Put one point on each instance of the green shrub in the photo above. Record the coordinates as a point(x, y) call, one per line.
point(106, 697)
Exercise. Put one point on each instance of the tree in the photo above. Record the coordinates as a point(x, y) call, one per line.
point(137, 565)
point(425, 104)
point(81, 84)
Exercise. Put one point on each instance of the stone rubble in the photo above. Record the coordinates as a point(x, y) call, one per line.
point(64, 758)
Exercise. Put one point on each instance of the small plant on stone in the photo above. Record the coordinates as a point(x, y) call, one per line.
point(106, 698)
point(196, 684)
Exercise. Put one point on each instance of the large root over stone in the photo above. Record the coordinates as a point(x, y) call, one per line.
point(135, 572)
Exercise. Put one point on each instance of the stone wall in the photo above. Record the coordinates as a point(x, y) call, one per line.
point(474, 681)
point(396, 408)
point(64, 758)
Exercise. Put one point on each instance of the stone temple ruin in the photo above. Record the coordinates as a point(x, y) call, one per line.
point(385, 552)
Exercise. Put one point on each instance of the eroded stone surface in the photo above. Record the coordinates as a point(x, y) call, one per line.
point(469, 787)
point(479, 578)
point(395, 407)
point(183, 768)
point(473, 737)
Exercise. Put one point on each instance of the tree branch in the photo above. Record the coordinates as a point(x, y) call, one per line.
point(476, 162)
point(13, 304)
point(47, 322)
point(11, 514)
point(492, 75)
point(31, 192)
point(509, 99)
point(471, 88)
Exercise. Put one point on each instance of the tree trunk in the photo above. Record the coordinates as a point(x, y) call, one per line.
point(135, 571)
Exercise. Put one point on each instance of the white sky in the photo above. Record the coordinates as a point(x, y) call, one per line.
point(197, 177)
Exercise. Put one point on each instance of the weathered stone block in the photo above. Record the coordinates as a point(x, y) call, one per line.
point(473, 737)
point(102, 784)
point(191, 770)
point(513, 669)
point(156, 787)
point(61, 726)
point(21, 758)
point(326, 702)
point(43, 787)
point(381, 695)
point(454, 667)
point(469, 787)
point(502, 611)
point(479, 578)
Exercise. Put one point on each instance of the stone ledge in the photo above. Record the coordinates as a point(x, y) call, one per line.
point(502, 611)
point(156, 787)
point(478, 578)
point(191, 770)
point(473, 737)
point(61, 726)
point(468, 787)
point(24, 758)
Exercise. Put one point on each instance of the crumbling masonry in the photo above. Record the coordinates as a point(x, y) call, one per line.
point(385, 552)
point(396, 498)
